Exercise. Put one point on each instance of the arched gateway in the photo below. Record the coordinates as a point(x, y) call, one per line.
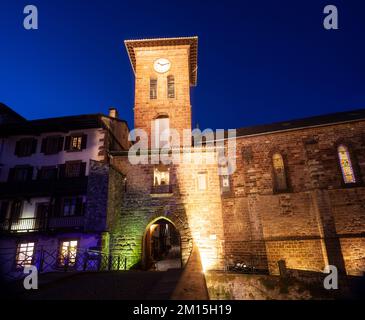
point(161, 246)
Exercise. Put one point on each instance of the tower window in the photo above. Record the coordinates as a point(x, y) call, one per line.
point(170, 87)
point(280, 182)
point(347, 170)
point(153, 88)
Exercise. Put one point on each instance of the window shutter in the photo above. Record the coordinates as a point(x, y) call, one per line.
point(78, 208)
point(11, 174)
point(34, 145)
point(82, 169)
point(56, 212)
point(60, 143)
point(61, 171)
point(68, 143)
point(4, 210)
point(39, 173)
point(83, 141)
point(16, 210)
point(30, 174)
point(17, 148)
point(44, 145)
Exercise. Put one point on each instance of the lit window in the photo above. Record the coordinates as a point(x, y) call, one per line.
point(68, 253)
point(153, 88)
point(346, 165)
point(202, 181)
point(76, 143)
point(161, 176)
point(24, 255)
point(170, 87)
point(279, 173)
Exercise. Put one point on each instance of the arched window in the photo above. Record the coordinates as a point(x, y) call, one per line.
point(170, 87)
point(161, 132)
point(280, 182)
point(153, 88)
point(348, 174)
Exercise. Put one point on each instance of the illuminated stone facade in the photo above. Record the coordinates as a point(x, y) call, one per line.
point(317, 220)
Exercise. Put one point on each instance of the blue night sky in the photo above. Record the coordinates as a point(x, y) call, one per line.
point(259, 61)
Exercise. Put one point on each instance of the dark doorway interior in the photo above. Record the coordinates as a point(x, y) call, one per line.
point(162, 246)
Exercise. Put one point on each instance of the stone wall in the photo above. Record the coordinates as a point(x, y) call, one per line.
point(197, 215)
point(319, 220)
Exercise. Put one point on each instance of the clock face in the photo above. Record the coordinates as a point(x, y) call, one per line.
point(162, 65)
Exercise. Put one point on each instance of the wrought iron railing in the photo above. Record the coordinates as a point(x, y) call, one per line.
point(48, 260)
point(40, 224)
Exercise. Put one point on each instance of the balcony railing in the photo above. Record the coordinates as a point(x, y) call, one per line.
point(37, 224)
point(35, 188)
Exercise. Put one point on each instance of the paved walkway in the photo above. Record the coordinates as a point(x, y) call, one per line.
point(192, 285)
point(121, 285)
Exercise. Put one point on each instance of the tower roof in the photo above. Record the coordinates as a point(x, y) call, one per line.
point(156, 42)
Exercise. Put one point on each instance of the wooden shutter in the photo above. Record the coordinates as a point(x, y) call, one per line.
point(11, 174)
point(56, 212)
point(60, 143)
point(78, 208)
point(44, 145)
point(16, 209)
point(83, 141)
point(61, 171)
point(34, 146)
point(17, 148)
point(68, 143)
point(30, 174)
point(4, 210)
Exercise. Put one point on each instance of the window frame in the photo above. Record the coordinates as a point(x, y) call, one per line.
point(171, 84)
point(59, 253)
point(354, 164)
point(19, 266)
point(276, 189)
point(153, 88)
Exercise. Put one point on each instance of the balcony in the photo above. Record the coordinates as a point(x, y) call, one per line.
point(25, 225)
point(35, 188)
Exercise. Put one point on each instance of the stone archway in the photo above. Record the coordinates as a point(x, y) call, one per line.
point(164, 245)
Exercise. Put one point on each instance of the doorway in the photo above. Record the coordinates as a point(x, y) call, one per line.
point(162, 246)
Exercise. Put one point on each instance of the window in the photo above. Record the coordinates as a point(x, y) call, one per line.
point(47, 173)
point(224, 176)
point(52, 145)
point(24, 254)
point(16, 210)
point(280, 183)
point(68, 253)
point(202, 181)
point(348, 174)
point(72, 206)
point(153, 88)
point(161, 131)
point(21, 173)
point(76, 142)
point(72, 169)
point(161, 176)
point(171, 87)
point(25, 147)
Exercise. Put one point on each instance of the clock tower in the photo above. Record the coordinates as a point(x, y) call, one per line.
point(164, 69)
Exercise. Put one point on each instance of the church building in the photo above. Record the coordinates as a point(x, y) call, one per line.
point(295, 196)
